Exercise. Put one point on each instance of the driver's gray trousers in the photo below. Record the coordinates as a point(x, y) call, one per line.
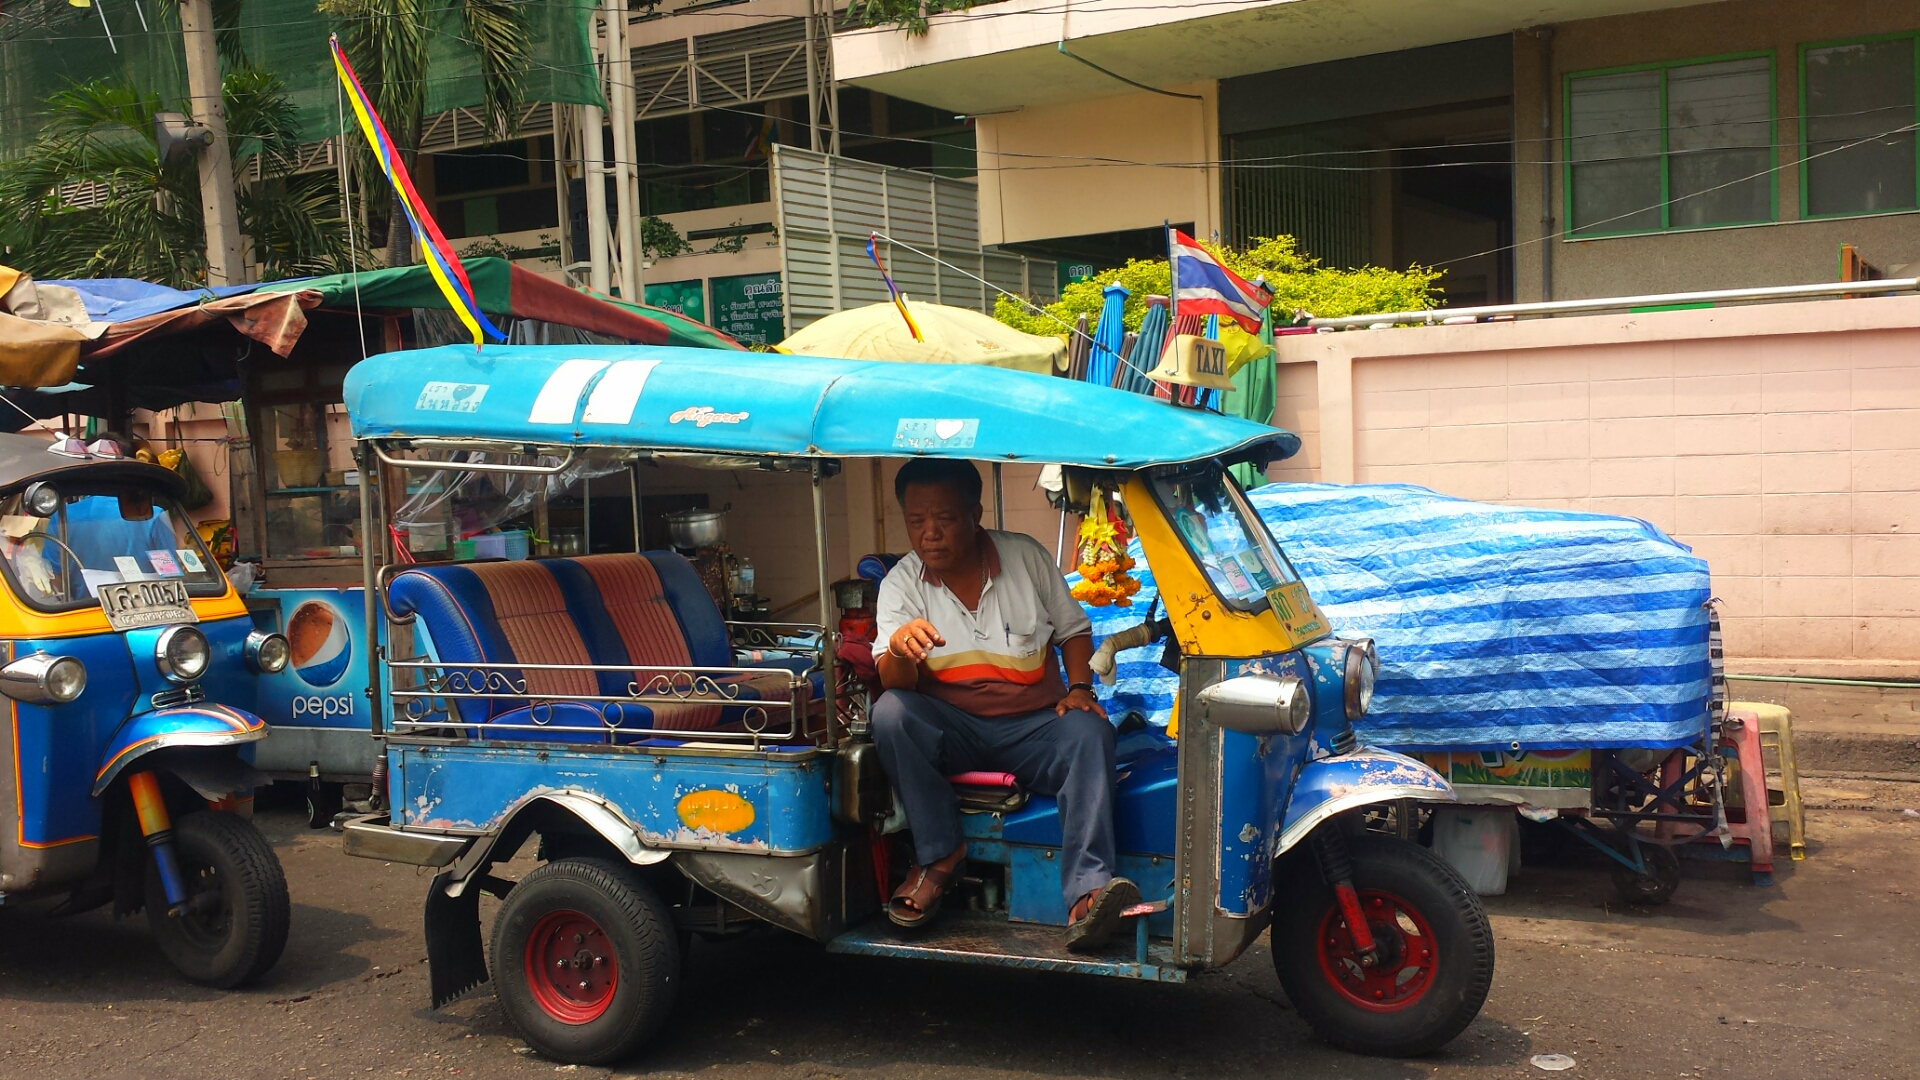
point(923, 740)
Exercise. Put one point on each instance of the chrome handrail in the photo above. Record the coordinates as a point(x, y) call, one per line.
point(425, 465)
point(427, 705)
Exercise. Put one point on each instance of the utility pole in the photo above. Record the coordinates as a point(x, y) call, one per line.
point(621, 107)
point(226, 263)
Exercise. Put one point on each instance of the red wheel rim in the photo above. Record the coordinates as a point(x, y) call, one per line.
point(571, 967)
point(1408, 954)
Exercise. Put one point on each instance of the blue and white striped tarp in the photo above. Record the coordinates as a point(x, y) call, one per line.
point(1496, 625)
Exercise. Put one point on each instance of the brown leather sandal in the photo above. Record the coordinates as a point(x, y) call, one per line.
point(1102, 917)
point(924, 889)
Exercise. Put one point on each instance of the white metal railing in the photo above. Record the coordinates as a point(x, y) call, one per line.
point(1458, 316)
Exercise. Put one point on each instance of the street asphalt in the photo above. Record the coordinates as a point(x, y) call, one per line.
point(1815, 977)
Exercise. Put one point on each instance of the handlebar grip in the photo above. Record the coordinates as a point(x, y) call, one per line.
point(1131, 638)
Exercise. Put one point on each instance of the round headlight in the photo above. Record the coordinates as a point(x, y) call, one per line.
point(66, 679)
point(267, 653)
point(181, 653)
point(41, 500)
point(44, 679)
point(1363, 668)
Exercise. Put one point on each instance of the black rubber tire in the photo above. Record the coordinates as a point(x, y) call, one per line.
point(237, 925)
point(1462, 975)
point(323, 805)
point(1657, 885)
point(646, 949)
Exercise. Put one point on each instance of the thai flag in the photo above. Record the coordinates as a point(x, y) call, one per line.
point(1203, 286)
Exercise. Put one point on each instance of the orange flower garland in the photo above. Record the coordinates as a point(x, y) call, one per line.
point(1102, 559)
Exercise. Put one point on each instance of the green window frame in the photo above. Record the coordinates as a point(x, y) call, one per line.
point(1571, 165)
point(1807, 148)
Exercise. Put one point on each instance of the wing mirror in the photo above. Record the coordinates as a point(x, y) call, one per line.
point(1256, 705)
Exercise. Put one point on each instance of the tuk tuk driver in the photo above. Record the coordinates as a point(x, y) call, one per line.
point(969, 624)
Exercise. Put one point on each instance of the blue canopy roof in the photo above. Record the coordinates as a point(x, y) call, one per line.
point(702, 400)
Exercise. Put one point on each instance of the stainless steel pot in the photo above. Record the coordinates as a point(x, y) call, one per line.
point(690, 529)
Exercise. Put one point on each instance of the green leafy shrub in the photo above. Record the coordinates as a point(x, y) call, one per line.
point(1299, 283)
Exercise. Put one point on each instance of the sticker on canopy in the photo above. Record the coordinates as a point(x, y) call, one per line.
point(190, 559)
point(617, 392)
point(918, 434)
point(162, 562)
point(451, 396)
point(561, 395)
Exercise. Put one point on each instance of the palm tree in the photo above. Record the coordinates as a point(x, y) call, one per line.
point(93, 198)
point(387, 42)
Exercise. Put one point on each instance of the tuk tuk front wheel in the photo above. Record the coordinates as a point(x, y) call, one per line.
point(235, 923)
point(1433, 963)
point(586, 961)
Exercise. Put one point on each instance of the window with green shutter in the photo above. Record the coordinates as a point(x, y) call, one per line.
point(1858, 146)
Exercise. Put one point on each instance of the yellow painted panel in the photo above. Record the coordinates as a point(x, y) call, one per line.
point(715, 810)
point(1203, 624)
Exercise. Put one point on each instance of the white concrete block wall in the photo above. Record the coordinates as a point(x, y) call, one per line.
point(1781, 442)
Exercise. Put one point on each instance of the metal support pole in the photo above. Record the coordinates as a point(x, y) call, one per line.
point(226, 258)
point(823, 99)
point(827, 636)
point(813, 82)
point(633, 486)
point(999, 500)
point(586, 515)
point(620, 98)
point(373, 538)
point(594, 167)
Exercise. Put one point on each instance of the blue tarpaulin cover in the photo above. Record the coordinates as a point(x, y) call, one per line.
point(1496, 625)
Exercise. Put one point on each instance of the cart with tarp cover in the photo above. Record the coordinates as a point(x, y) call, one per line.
point(1561, 663)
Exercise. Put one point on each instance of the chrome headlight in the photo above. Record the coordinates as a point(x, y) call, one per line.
point(44, 679)
point(1363, 667)
point(181, 653)
point(1256, 705)
point(267, 653)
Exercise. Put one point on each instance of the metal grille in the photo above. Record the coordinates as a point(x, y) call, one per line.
point(1270, 192)
point(732, 67)
point(826, 206)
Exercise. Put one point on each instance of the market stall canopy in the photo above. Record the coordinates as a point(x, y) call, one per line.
point(712, 402)
point(953, 335)
point(101, 345)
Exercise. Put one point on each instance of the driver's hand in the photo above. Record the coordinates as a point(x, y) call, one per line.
point(915, 640)
point(1083, 700)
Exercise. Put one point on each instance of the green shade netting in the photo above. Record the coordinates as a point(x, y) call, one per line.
point(414, 287)
point(46, 45)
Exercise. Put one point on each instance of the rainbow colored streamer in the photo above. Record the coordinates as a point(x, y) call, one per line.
point(893, 290)
point(442, 263)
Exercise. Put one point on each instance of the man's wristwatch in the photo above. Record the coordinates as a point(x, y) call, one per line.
point(1087, 686)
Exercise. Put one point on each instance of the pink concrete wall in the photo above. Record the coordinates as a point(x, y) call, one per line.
point(1781, 442)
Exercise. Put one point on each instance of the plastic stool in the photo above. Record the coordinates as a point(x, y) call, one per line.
point(1751, 823)
point(1776, 734)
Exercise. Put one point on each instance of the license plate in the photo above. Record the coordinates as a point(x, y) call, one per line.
point(131, 605)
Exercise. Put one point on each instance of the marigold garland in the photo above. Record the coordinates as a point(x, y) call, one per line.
point(1102, 559)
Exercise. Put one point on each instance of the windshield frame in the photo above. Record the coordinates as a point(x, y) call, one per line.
point(162, 501)
point(1243, 508)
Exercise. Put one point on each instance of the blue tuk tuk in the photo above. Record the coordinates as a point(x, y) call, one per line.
point(682, 782)
point(131, 779)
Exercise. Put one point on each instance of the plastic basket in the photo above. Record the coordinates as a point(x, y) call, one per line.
point(518, 543)
point(490, 546)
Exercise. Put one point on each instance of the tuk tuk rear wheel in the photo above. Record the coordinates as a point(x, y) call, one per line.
point(1435, 962)
point(586, 961)
point(235, 924)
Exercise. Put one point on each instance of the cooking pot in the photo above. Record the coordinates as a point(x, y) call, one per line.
point(690, 529)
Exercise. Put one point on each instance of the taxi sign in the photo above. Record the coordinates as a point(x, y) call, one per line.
point(1194, 361)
